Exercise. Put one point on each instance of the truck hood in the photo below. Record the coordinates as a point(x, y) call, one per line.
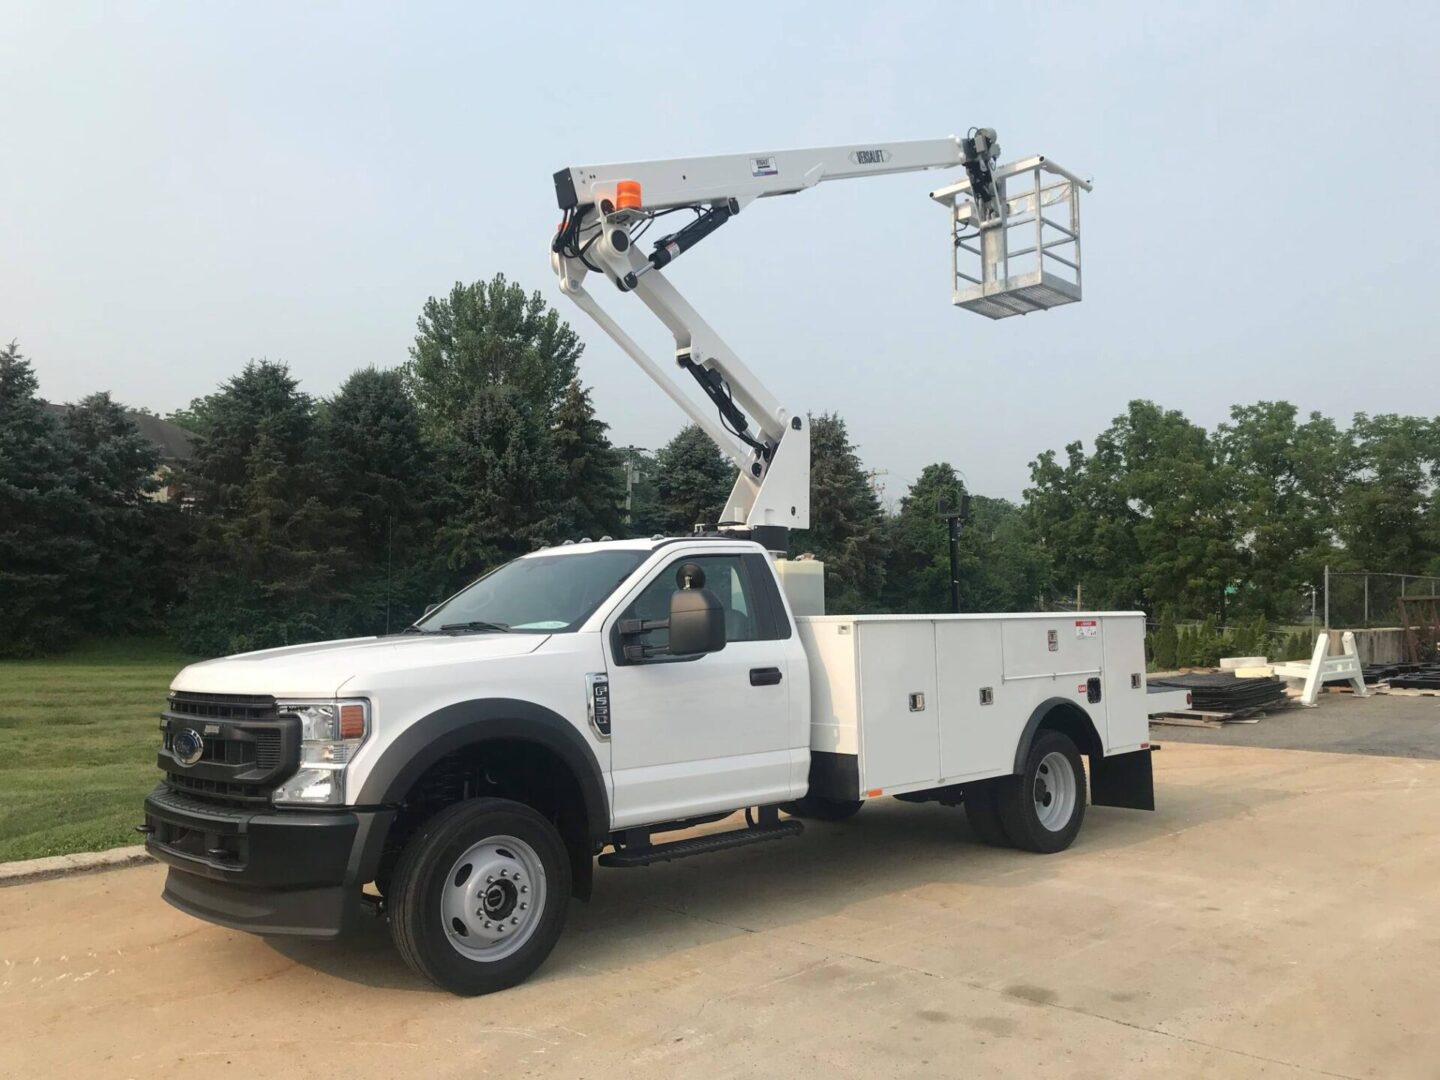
point(322, 668)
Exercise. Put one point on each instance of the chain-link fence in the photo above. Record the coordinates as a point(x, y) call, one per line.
point(1364, 599)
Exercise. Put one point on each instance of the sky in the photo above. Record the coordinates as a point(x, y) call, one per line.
point(184, 187)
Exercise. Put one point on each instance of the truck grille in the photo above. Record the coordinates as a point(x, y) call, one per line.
point(248, 746)
point(223, 706)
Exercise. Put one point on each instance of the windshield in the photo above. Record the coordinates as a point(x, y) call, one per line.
point(553, 594)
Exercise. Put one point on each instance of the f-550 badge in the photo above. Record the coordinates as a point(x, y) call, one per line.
point(877, 156)
point(598, 705)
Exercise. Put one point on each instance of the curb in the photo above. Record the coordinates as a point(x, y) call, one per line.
point(23, 873)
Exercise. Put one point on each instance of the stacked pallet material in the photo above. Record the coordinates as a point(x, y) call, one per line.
point(1420, 677)
point(1222, 694)
point(1375, 673)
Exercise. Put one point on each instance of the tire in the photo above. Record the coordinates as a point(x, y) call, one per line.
point(816, 808)
point(471, 874)
point(984, 815)
point(1042, 808)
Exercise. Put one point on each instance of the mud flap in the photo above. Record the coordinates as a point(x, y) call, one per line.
point(1125, 780)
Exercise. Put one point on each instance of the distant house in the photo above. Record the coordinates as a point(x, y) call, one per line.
point(173, 444)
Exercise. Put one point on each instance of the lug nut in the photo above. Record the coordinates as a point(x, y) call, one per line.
point(524, 888)
point(489, 878)
point(514, 922)
point(504, 873)
point(524, 906)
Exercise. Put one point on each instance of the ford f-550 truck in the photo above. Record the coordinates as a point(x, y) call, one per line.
point(587, 699)
point(461, 778)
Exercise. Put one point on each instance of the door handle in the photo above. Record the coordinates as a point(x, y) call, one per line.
point(764, 676)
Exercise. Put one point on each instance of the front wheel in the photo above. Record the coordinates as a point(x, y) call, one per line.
point(479, 896)
point(1042, 808)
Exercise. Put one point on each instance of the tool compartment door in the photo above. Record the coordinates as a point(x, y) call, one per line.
point(1057, 657)
point(1068, 645)
point(899, 707)
point(1127, 712)
point(977, 733)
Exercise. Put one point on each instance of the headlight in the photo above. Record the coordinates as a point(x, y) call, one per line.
point(330, 733)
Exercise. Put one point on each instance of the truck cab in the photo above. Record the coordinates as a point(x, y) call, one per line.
point(460, 778)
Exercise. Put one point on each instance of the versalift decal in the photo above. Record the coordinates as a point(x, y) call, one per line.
point(764, 166)
point(877, 156)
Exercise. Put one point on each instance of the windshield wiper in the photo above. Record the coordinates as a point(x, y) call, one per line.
point(476, 625)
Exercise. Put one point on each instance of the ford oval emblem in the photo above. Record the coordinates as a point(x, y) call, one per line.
point(187, 747)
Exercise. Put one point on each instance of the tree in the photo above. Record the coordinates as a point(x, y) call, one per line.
point(1003, 568)
point(917, 577)
point(227, 424)
point(1085, 526)
point(1185, 500)
point(115, 468)
point(594, 470)
point(847, 526)
point(1000, 565)
point(488, 351)
point(1165, 644)
point(46, 552)
point(1387, 509)
point(692, 480)
point(1289, 478)
point(382, 471)
point(273, 537)
point(1148, 519)
point(503, 481)
point(488, 334)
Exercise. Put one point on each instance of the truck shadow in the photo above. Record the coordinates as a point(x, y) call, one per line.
point(891, 847)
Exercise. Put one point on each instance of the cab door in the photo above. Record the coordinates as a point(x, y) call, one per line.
point(698, 734)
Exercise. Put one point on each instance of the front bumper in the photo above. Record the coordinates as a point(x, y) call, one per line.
point(294, 872)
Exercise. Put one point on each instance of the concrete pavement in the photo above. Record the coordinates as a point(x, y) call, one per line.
point(1276, 918)
point(1384, 724)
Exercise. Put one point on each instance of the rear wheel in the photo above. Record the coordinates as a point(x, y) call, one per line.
point(1042, 808)
point(479, 895)
point(816, 808)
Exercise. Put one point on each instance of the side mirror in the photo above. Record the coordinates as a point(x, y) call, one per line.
point(697, 622)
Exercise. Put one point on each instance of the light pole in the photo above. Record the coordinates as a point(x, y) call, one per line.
point(956, 516)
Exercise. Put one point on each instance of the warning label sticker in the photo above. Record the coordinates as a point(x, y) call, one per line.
point(1086, 627)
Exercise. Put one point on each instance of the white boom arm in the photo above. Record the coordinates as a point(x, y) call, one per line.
point(608, 207)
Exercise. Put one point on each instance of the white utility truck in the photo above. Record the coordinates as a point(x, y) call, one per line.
point(587, 699)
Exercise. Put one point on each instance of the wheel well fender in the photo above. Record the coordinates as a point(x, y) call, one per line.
point(466, 723)
point(1059, 714)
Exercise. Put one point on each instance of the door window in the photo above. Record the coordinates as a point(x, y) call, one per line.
point(725, 576)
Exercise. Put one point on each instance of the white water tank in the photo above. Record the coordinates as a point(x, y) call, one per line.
point(804, 583)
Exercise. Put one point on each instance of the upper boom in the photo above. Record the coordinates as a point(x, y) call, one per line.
point(743, 177)
point(608, 208)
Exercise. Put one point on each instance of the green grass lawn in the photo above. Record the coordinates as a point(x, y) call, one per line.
point(78, 735)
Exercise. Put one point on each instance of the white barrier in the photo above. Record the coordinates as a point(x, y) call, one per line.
point(1324, 668)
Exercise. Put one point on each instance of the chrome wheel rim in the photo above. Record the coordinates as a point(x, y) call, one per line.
point(1055, 791)
point(493, 898)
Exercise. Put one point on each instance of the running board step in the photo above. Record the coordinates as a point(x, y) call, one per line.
point(645, 854)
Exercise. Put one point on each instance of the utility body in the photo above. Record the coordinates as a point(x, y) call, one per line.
point(584, 703)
